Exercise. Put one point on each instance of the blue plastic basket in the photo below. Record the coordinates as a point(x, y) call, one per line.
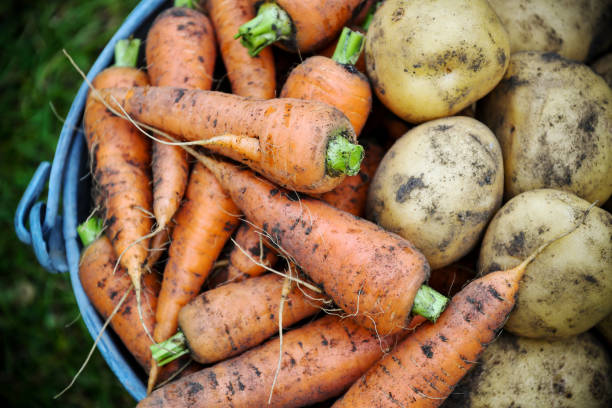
point(54, 236)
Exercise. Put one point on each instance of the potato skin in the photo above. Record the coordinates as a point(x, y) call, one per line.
point(430, 59)
point(603, 66)
point(438, 186)
point(553, 119)
point(520, 372)
point(567, 289)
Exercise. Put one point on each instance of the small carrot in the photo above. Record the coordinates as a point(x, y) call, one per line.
point(225, 321)
point(320, 360)
point(248, 76)
point(423, 370)
point(372, 274)
point(303, 145)
point(298, 26)
point(121, 157)
point(335, 81)
point(180, 51)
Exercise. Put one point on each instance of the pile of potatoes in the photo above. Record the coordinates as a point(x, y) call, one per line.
point(509, 147)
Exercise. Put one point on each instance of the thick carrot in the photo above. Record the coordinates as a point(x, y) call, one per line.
point(298, 26)
point(248, 76)
point(302, 145)
point(423, 370)
point(180, 51)
point(335, 81)
point(121, 157)
point(230, 319)
point(372, 274)
point(319, 361)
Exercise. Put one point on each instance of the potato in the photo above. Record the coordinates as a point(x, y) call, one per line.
point(438, 186)
point(520, 372)
point(603, 66)
point(567, 289)
point(553, 119)
point(430, 59)
point(566, 27)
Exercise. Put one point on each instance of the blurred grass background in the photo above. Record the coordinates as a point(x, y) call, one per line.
point(42, 336)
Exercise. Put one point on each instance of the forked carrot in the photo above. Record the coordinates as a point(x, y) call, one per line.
point(303, 145)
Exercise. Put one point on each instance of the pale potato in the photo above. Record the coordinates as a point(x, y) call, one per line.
point(430, 59)
point(553, 119)
point(567, 289)
point(603, 66)
point(438, 186)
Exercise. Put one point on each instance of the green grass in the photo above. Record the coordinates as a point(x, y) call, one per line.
point(43, 339)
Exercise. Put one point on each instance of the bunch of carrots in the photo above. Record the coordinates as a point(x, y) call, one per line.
point(250, 207)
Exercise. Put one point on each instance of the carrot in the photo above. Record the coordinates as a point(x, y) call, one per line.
point(303, 145)
point(335, 81)
point(372, 274)
point(423, 370)
point(121, 157)
point(320, 360)
point(225, 321)
point(297, 26)
point(180, 51)
point(204, 223)
point(248, 76)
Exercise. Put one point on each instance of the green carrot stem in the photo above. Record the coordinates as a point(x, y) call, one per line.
point(429, 303)
point(349, 47)
point(343, 157)
point(170, 350)
point(271, 24)
point(90, 230)
point(183, 3)
point(368, 20)
point(126, 52)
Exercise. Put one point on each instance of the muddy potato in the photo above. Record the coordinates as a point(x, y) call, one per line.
point(438, 186)
point(603, 66)
point(567, 289)
point(430, 59)
point(553, 119)
point(566, 27)
point(520, 372)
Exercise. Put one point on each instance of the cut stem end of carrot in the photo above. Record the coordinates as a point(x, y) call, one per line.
point(183, 3)
point(126, 52)
point(90, 230)
point(169, 350)
point(349, 47)
point(343, 156)
point(271, 24)
point(429, 303)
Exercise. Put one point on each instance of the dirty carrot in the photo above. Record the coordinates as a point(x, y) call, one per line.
point(375, 276)
point(204, 223)
point(297, 26)
point(121, 157)
point(320, 360)
point(335, 80)
point(248, 76)
point(303, 145)
point(180, 51)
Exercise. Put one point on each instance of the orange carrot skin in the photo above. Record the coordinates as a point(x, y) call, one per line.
point(342, 86)
point(249, 76)
point(180, 51)
point(205, 222)
point(320, 360)
point(423, 370)
point(230, 319)
point(368, 271)
point(317, 22)
point(121, 159)
point(292, 135)
point(351, 195)
point(240, 265)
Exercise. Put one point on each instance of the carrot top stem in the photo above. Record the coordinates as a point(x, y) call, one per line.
point(183, 3)
point(126, 52)
point(271, 24)
point(368, 20)
point(343, 157)
point(169, 350)
point(429, 303)
point(90, 230)
point(349, 47)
